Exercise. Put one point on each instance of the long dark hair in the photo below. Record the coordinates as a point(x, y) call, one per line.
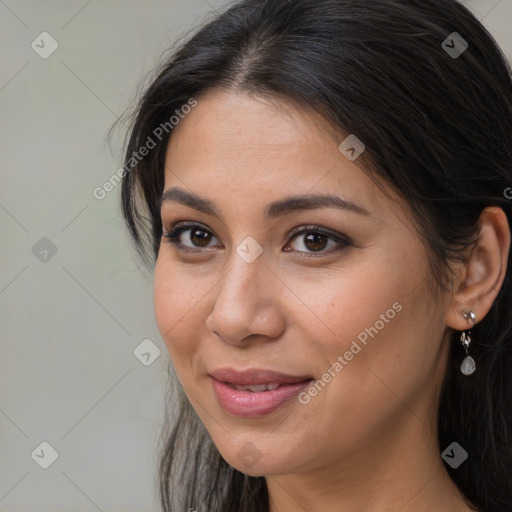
point(436, 121)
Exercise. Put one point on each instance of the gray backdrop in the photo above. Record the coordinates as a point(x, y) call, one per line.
point(83, 368)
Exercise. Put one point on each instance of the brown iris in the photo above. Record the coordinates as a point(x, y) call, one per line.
point(315, 241)
point(200, 237)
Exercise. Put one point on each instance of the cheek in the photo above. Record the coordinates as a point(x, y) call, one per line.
point(178, 300)
point(376, 317)
point(382, 326)
point(344, 306)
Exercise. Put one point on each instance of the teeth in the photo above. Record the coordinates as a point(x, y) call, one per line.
point(256, 388)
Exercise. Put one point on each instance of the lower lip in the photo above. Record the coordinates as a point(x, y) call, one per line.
point(249, 404)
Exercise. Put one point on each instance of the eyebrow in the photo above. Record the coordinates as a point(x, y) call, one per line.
point(273, 210)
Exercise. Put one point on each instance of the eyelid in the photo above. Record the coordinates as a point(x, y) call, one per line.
point(185, 224)
point(318, 229)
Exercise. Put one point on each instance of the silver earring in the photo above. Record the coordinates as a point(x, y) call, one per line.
point(468, 365)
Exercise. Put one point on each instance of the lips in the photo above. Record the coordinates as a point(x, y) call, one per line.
point(255, 392)
point(256, 376)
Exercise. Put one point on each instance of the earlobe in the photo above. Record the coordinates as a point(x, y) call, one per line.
point(483, 274)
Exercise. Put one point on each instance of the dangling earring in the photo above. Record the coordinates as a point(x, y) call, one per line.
point(468, 365)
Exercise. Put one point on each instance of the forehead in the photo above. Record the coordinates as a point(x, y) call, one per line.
point(247, 148)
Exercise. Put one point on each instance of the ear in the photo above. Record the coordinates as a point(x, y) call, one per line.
point(481, 277)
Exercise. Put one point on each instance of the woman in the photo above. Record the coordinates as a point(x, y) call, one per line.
point(323, 186)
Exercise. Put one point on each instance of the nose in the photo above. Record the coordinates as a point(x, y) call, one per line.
point(247, 304)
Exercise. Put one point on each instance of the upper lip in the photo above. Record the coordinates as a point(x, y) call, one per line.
point(254, 376)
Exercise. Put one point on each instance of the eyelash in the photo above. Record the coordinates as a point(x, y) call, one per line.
point(175, 231)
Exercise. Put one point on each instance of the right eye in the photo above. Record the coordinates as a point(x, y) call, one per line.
point(198, 237)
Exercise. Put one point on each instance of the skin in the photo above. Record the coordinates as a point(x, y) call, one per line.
point(367, 441)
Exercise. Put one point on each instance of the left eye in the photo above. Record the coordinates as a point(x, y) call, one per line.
point(316, 240)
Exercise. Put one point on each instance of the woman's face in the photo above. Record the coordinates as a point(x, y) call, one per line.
point(346, 304)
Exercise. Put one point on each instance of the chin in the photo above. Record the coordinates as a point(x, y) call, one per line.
point(261, 463)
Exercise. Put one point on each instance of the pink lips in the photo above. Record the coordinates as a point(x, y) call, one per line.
point(248, 403)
